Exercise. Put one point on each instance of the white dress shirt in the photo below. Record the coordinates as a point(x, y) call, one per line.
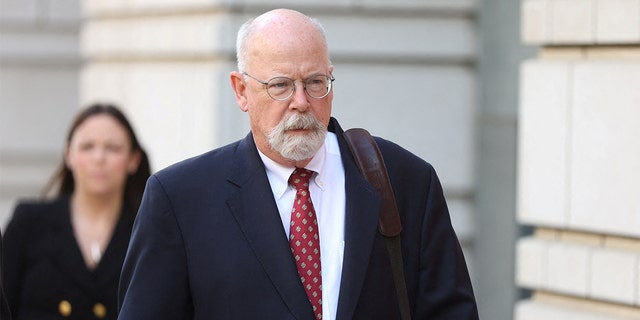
point(328, 197)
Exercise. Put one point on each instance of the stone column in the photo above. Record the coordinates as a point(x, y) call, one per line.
point(39, 62)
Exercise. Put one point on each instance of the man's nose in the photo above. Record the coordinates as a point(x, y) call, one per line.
point(300, 99)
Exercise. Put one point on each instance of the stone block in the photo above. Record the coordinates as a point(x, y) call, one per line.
point(569, 269)
point(535, 21)
point(531, 262)
point(190, 36)
point(535, 310)
point(22, 12)
point(613, 275)
point(572, 21)
point(543, 142)
point(618, 21)
point(605, 163)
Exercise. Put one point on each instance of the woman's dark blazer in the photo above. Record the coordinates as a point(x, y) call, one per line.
point(4, 308)
point(44, 274)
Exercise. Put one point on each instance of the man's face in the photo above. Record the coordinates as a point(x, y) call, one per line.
point(277, 124)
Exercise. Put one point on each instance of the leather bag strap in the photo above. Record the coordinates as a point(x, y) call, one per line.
point(371, 164)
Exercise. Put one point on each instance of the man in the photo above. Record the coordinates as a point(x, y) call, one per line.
point(216, 236)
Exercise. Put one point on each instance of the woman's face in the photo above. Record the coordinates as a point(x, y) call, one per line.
point(100, 156)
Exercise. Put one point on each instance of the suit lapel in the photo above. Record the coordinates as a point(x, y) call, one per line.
point(361, 225)
point(257, 215)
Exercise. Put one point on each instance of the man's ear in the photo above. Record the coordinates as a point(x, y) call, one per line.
point(239, 86)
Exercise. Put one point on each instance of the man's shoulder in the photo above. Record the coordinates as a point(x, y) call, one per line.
point(394, 154)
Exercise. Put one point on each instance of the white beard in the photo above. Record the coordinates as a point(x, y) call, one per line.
point(297, 147)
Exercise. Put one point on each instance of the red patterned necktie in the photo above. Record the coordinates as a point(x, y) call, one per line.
point(305, 239)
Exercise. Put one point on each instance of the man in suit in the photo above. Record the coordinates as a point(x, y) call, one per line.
point(216, 236)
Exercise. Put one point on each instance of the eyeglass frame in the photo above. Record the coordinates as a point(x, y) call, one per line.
point(304, 86)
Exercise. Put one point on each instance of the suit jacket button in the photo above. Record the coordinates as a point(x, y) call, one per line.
point(99, 310)
point(64, 307)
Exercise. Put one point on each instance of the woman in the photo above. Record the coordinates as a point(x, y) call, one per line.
point(4, 308)
point(63, 256)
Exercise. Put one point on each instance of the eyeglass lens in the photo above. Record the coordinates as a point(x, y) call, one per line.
point(281, 88)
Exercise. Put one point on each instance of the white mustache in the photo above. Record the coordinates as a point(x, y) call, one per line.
point(300, 121)
point(297, 147)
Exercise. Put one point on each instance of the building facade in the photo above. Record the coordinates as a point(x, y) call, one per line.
point(579, 161)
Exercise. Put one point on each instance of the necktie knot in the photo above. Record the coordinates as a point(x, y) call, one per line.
point(300, 178)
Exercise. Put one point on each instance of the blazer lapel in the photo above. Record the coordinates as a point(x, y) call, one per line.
point(109, 267)
point(65, 252)
point(256, 213)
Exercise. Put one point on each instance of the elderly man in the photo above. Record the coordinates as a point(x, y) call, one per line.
point(281, 224)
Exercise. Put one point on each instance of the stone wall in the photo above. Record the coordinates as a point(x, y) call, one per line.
point(579, 160)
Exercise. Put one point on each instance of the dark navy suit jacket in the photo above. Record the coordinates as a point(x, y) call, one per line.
point(208, 243)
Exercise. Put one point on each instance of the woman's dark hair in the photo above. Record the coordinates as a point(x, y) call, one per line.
point(63, 181)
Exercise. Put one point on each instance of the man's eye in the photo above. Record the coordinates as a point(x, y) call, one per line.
point(278, 84)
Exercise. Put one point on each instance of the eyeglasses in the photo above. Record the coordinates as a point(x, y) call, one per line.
point(282, 88)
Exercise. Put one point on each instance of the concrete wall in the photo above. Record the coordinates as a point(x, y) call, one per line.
point(579, 160)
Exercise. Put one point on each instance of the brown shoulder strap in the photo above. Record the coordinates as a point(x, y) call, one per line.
point(371, 165)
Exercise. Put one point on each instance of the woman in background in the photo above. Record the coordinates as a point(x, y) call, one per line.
point(62, 257)
point(4, 308)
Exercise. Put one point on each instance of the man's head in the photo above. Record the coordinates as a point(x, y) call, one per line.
point(287, 44)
